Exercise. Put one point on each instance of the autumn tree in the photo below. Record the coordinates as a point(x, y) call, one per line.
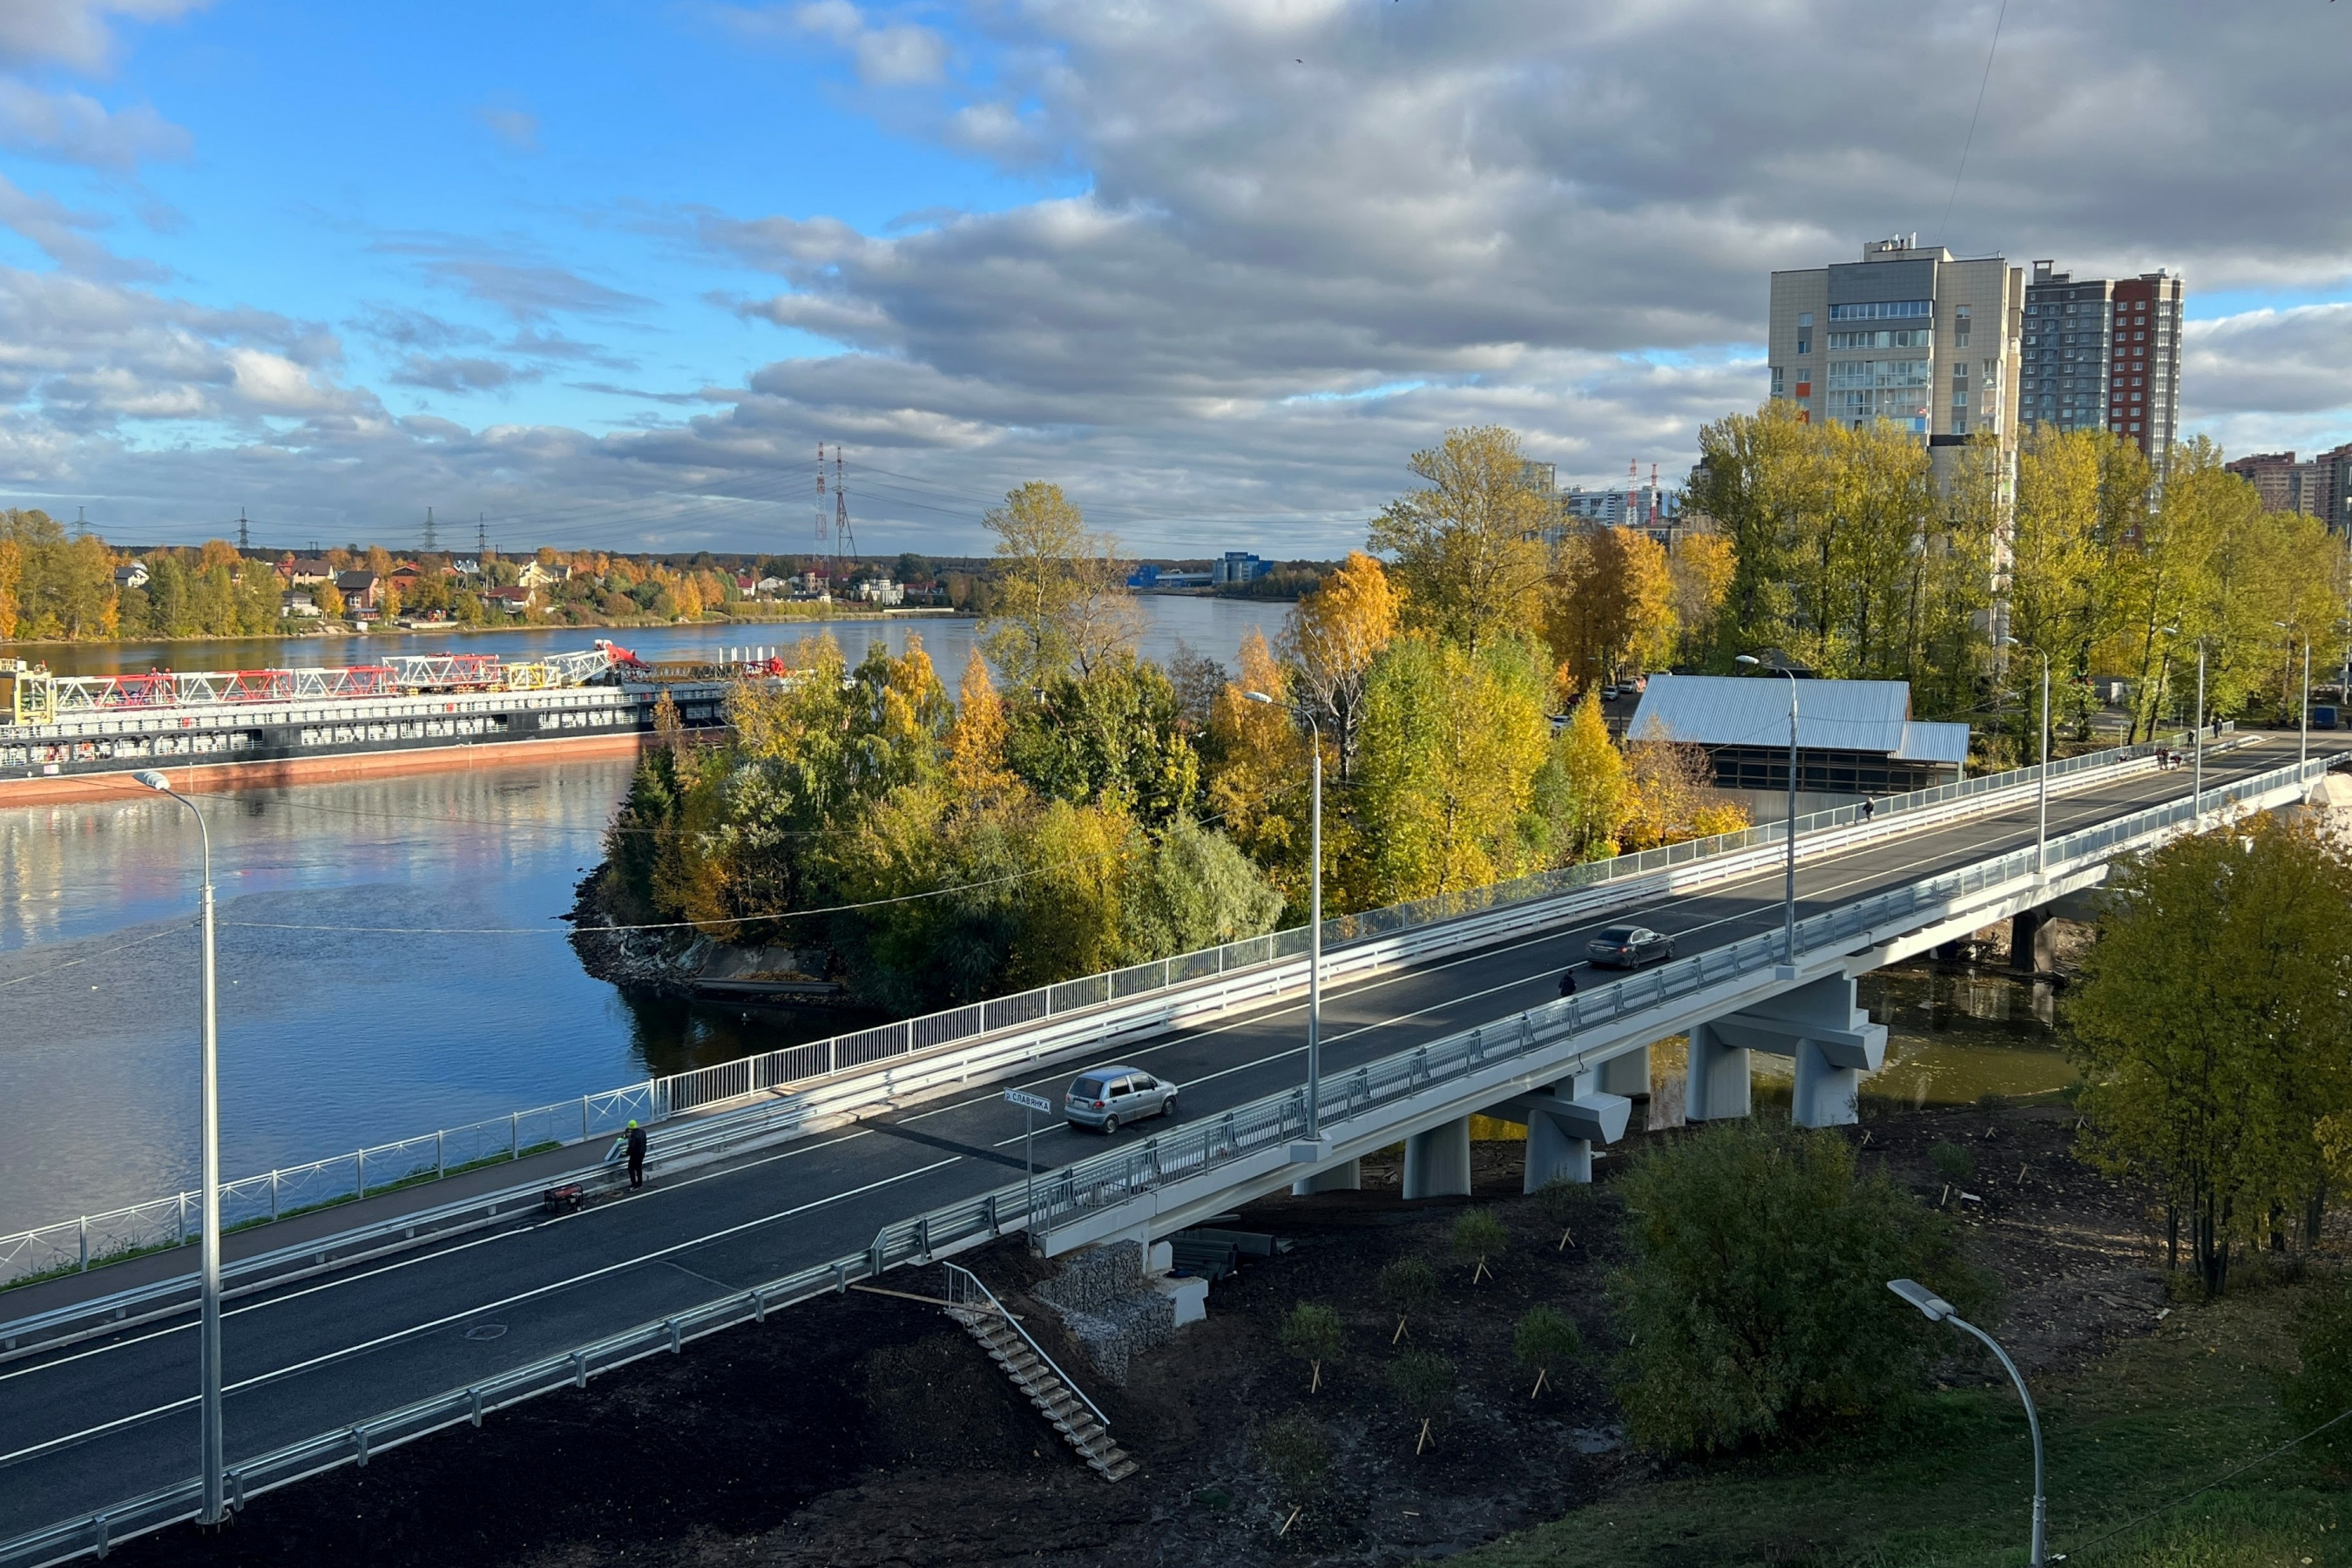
point(1330, 639)
point(1671, 794)
point(1258, 788)
point(1608, 606)
point(1592, 796)
point(1452, 742)
point(2213, 1031)
point(1700, 567)
point(1469, 543)
point(1064, 608)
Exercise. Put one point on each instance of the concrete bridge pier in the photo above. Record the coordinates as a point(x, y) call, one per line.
point(1718, 1087)
point(1628, 1075)
point(2024, 928)
point(1562, 1128)
point(1347, 1177)
point(1832, 1041)
point(1437, 1163)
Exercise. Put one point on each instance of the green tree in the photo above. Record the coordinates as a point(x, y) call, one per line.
point(1423, 1383)
point(1193, 889)
point(1064, 608)
point(1469, 543)
point(1110, 735)
point(1754, 1306)
point(1545, 1338)
point(2212, 1030)
point(1405, 1287)
point(1313, 1333)
point(1478, 1235)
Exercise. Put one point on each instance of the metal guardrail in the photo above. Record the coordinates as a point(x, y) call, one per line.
point(1116, 1177)
point(78, 1245)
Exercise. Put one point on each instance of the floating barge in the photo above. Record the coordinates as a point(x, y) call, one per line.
point(61, 737)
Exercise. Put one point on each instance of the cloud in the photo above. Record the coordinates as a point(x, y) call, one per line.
point(516, 128)
point(895, 54)
point(65, 235)
point(74, 33)
point(526, 289)
point(461, 373)
point(79, 129)
point(2273, 362)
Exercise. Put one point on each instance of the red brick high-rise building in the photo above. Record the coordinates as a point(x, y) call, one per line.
point(2103, 354)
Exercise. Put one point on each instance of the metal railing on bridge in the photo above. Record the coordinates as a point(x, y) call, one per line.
point(71, 1245)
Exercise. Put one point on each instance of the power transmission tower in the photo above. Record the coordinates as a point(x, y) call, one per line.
point(481, 534)
point(823, 525)
point(82, 523)
point(431, 543)
point(845, 543)
point(243, 540)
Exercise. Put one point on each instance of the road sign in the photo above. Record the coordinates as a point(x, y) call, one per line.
point(1026, 1100)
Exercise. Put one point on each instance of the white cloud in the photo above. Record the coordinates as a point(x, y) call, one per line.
point(81, 130)
point(76, 33)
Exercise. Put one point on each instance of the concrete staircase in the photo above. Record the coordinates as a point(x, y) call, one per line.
point(1072, 1414)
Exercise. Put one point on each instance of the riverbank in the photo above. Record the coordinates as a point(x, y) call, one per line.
point(865, 1430)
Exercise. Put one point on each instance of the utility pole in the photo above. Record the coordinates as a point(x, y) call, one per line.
point(242, 542)
point(431, 544)
point(481, 534)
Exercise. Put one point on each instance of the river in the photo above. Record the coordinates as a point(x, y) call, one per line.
point(335, 1031)
point(390, 960)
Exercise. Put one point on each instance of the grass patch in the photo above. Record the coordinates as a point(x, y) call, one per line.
point(1948, 1484)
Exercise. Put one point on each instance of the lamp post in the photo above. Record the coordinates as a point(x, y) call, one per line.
point(2302, 752)
point(1938, 1310)
point(2197, 802)
point(1314, 922)
point(209, 1350)
point(1789, 896)
point(2042, 788)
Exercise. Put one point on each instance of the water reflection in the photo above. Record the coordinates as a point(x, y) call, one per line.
point(1953, 1036)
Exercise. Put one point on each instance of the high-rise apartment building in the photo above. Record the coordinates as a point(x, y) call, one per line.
point(2320, 488)
point(1906, 334)
point(2104, 354)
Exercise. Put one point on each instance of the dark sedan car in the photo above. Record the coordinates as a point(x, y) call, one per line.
point(1629, 947)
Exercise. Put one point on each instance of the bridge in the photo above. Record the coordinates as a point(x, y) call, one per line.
point(352, 1329)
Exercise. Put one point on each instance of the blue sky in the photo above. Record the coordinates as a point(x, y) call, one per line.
point(607, 272)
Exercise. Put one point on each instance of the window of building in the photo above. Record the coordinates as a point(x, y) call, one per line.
point(1805, 344)
point(1804, 318)
point(1961, 326)
point(1780, 384)
point(1882, 311)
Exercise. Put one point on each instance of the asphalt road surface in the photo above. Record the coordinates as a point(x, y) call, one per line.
point(107, 1420)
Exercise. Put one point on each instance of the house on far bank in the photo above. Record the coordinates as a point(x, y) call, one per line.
point(1854, 738)
point(133, 576)
point(361, 589)
point(307, 571)
point(295, 604)
point(513, 601)
point(534, 575)
point(461, 566)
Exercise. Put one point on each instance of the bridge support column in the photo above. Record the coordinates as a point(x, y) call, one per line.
point(1563, 1123)
point(1627, 1074)
point(2025, 926)
point(1832, 1041)
point(1553, 1155)
point(1717, 1091)
point(1437, 1163)
point(1347, 1176)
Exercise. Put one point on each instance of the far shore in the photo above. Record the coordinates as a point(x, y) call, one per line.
point(455, 628)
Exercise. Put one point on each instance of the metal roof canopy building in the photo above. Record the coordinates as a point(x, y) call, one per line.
point(1854, 737)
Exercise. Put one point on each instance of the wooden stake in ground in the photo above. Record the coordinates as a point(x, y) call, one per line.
point(1398, 1335)
point(1541, 1372)
point(1288, 1523)
point(1315, 1384)
point(1426, 1437)
point(1566, 1240)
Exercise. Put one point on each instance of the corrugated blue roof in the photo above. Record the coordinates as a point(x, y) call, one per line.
point(1831, 715)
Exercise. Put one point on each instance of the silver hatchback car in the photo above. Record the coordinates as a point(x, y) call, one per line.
point(1111, 1098)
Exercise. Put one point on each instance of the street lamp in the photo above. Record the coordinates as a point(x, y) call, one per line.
point(209, 1350)
point(2304, 753)
point(1789, 900)
point(1314, 925)
point(2042, 828)
point(1938, 1310)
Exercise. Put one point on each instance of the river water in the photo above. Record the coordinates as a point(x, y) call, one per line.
point(390, 961)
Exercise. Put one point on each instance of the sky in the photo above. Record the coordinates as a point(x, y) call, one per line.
point(605, 274)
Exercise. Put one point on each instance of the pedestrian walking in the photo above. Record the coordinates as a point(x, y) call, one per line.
point(1568, 982)
point(1868, 809)
point(636, 1156)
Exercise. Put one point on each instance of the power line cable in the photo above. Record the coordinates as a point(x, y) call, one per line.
point(1944, 231)
point(2200, 1491)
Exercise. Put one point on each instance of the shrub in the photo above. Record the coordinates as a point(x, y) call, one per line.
point(1295, 1449)
point(1424, 1382)
point(1313, 1333)
point(1406, 1287)
point(1756, 1305)
point(1567, 1204)
point(1953, 1161)
point(1479, 1234)
point(2321, 1389)
point(1544, 1339)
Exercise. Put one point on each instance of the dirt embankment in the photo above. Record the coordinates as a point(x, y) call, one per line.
point(868, 1430)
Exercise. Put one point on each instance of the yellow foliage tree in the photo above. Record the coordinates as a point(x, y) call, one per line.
point(1257, 790)
point(975, 747)
point(1469, 545)
point(1598, 795)
point(1332, 636)
point(1610, 607)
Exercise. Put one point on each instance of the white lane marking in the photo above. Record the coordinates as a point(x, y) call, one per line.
point(658, 1254)
point(416, 1259)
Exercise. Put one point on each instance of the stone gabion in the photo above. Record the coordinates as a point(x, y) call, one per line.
point(1110, 1307)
